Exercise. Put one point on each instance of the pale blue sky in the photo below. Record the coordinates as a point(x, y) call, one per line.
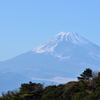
point(25, 24)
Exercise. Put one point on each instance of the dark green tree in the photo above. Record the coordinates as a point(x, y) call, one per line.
point(86, 75)
point(31, 91)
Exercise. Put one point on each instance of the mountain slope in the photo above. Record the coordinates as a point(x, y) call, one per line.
point(58, 60)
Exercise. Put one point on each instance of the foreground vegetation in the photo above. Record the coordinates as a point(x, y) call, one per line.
point(86, 88)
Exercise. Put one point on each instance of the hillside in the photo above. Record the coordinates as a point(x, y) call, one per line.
point(86, 88)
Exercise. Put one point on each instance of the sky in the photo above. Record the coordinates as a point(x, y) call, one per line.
point(24, 24)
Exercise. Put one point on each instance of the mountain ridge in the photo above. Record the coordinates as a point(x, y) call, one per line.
point(65, 38)
point(57, 60)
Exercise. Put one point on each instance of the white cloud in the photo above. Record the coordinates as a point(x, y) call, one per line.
point(62, 57)
point(56, 79)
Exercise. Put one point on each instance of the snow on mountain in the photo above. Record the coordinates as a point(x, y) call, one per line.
point(58, 60)
point(71, 37)
point(65, 43)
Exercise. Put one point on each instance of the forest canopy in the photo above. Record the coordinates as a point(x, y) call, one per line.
point(86, 88)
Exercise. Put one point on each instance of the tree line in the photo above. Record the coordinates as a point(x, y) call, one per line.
point(86, 88)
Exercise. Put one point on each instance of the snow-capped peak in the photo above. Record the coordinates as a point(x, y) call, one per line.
point(69, 36)
point(65, 34)
point(61, 38)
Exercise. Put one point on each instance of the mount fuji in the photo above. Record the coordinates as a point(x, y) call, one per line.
point(57, 61)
